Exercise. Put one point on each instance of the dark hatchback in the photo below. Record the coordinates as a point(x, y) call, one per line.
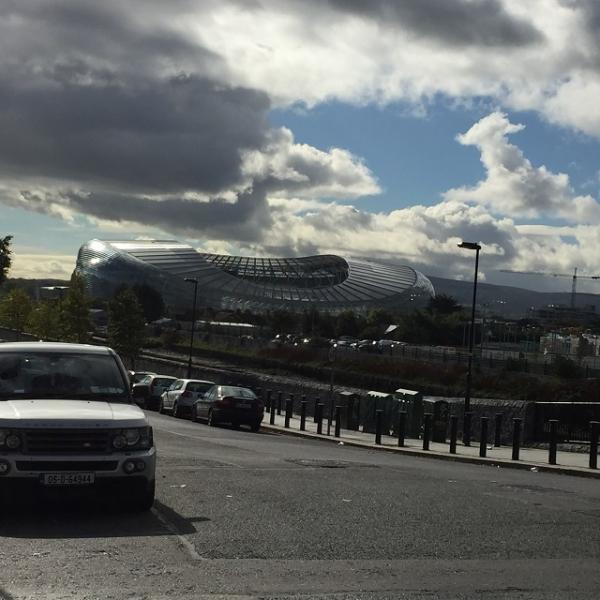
point(229, 404)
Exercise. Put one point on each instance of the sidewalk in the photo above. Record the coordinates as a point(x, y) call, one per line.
point(570, 463)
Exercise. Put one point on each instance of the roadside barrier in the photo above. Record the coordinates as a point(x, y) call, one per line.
point(338, 422)
point(279, 402)
point(516, 443)
point(401, 428)
point(319, 413)
point(288, 412)
point(378, 426)
point(426, 430)
point(483, 437)
point(268, 401)
point(553, 441)
point(427, 425)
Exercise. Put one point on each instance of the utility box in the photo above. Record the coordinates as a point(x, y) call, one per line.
point(351, 414)
point(373, 402)
point(440, 410)
point(410, 401)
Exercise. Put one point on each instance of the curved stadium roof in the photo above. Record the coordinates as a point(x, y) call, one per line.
point(328, 282)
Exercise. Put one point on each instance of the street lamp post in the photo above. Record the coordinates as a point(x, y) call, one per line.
point(332, 357)
point(467, 406)
point(195, 282)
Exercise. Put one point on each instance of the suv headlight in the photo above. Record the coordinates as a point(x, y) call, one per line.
point(134, 438)
point(10, 439)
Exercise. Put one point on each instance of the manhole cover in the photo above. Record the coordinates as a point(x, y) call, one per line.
point(325, 464)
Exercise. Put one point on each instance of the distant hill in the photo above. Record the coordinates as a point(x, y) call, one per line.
point(506, 300)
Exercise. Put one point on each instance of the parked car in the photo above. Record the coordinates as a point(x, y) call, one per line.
point(137, 376)
point(178, 399)
point(67, 421)
point(229, 404)
point(150, 388)
point(367, 346)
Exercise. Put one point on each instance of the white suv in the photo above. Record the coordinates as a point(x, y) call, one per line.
point(67, 420)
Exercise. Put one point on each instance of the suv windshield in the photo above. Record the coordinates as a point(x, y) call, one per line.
point(40, 375)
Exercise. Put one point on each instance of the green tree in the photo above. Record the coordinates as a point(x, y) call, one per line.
point(347, 323)
point(151, 301)
point(126, 325)
point(443, 304)
point(44, 321)
point(5, 257)
point(75, 319)
point(15, 309)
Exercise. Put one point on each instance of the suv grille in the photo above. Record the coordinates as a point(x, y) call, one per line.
point(67, 441)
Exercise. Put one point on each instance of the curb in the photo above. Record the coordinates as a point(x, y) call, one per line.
point(490, 462)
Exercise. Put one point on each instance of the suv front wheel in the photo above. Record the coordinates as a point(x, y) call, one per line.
point(143, 501)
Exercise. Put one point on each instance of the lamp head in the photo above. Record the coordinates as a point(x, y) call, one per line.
point(469, 245)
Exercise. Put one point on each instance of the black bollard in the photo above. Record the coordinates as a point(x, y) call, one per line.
point(498, 430)
point(378, 426)
point(467, 429)
point(483, 437)
point(338, 421)
point(553, 441)
point(516, 444)
point(453, 433)
point(319, 418)
point(303, 415)
point(268, 401)
point(288, 412)
point(292, 399)
point(272, 415)
point(279, 402)
point(426, 430)
point(594, 429)
point(357, 420)
point(315, 411)
point(401, 428)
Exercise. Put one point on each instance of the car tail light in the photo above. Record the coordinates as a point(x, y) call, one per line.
point(225, 402)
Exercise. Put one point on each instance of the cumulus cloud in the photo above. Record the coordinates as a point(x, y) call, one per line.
point(157, 114)
point(513, 186)
point(37, 265)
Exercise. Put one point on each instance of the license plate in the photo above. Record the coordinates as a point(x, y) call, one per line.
point(68, 478)
point(244, 405)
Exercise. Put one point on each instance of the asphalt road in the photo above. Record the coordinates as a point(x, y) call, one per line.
point(243, 515)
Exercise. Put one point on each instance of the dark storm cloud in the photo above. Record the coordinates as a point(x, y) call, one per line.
point(246, 219)
point(179, 134)
point(104, 98)
point(456, 22)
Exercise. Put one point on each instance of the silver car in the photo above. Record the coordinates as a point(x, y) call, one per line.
point(182, 394)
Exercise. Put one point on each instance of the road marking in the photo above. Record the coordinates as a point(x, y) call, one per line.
point(195, 437)
point(187, 545)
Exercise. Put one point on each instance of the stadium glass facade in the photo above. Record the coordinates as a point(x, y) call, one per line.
point(326, 282)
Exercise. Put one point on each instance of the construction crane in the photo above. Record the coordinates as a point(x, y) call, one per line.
point(574, 276)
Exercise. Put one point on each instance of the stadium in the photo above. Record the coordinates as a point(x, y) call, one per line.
point(329, 283)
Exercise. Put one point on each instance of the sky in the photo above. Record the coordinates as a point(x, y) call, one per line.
point(388, 129)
